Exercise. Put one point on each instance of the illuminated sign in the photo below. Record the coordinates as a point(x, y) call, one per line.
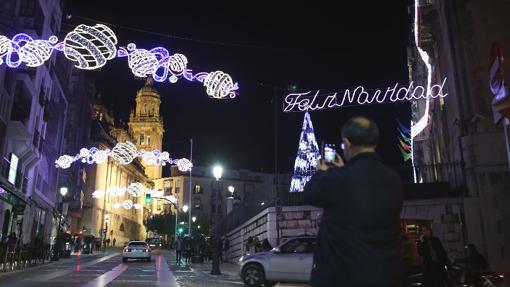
point(314, 100)
point(13, 168)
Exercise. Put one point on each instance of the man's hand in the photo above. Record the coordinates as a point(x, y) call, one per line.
point(322, 165)
point(338, 162)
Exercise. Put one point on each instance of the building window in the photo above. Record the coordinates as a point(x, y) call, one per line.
point(177, 189)
point(27, 8)
point(22, 103)
point(198, 189)
point(197, 202)
point(141, 138)
point(148, 139)
point(145, 108)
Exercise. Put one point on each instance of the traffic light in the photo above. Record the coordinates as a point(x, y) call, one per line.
point(148, 198)
point(180, 230)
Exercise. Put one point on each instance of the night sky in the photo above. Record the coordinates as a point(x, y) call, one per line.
point(314, 46)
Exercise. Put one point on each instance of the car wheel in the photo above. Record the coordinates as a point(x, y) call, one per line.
point(124, 259)
point(253, 275)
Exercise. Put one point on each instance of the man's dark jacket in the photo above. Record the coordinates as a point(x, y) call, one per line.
point(359, 236)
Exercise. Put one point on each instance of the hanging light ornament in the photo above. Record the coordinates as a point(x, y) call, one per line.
point(98, 193)
point(177, 63)
point(64, 161)
point(184, 164)
point(127, 204)
point(136, 189)
point(219, 85)
point(90, 47)
point(35, 53)
point(124, 152)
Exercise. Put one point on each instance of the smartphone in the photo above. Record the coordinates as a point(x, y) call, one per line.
point(329, 152)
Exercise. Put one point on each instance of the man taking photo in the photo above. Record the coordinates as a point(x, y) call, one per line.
point(359, 236)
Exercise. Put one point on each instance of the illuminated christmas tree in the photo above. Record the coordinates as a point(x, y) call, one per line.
point(307, 156)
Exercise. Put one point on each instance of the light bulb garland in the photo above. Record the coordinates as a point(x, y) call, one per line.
point(135, 189)
point(124, 153)
point(91, 47)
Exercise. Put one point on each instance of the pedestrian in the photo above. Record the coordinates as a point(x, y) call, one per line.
point(359, 236)
point(266, 246)
point(113, 242)
point(412, 262)
point(108, 242)
point(435, 260)
point(12, 240)
point(187, 250)
point(178, 250)
point(226, 247)
point(98, 244)
point(219, 250)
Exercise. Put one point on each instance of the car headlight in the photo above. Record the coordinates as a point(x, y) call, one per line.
point(241, 259)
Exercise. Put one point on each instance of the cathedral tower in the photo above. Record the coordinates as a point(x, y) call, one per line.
point(146, 125)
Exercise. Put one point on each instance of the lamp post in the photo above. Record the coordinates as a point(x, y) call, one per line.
point(217, 173)
point(56, 249)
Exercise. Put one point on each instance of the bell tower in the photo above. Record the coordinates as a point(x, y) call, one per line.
point(146, 125)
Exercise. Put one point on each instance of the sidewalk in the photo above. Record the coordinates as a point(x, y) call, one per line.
point(62, 261)
point(229, 271)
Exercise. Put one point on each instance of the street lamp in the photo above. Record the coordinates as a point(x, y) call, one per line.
point(56, 248)
point(185, 208)
point(194, 218)
point(217, 172)
point(231, 189)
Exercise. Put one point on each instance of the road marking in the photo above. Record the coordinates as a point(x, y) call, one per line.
point(164, 274)
point(77, 267)
point(107, 277)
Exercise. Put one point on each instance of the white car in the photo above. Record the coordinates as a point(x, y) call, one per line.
point(291, 261)
point(136, 250)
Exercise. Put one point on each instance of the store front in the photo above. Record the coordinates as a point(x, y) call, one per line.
point(11, 213)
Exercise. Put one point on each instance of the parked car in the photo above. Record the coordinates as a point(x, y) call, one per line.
point(291, 261)
point(136, 250)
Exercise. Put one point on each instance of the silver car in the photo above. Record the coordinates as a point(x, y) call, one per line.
point(291, 261)
point(136, 250)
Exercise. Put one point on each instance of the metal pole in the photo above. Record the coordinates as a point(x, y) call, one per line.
point(216, 233)
point(104, 206)
point(190, 185)
point(176, 214)
point(505, 128)
point(275, 181)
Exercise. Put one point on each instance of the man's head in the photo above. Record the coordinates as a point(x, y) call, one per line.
point(359, 134)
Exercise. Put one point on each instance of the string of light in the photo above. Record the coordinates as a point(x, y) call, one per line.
point(210, 42)
point(135, 189)
point(124, 153)
point(91, 47)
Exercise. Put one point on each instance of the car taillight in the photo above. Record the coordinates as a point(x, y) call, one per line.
point(125, 250)
point(147, 250)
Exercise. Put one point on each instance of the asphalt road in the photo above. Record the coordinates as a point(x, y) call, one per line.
point(107, 269)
